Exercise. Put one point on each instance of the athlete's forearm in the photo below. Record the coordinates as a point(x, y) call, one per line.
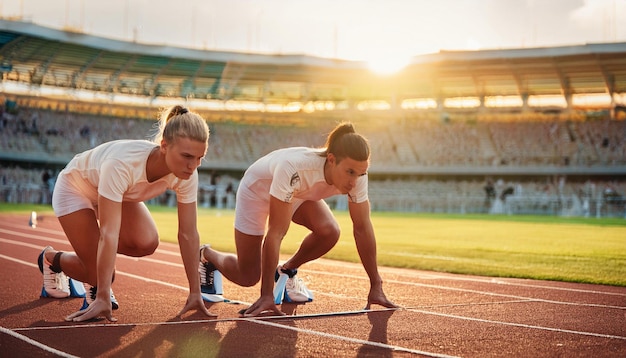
point(189, 246)
point(366, 247)
point(269, 261)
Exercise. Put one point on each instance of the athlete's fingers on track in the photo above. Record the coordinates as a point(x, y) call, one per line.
point(71, 317)
point(249, 310)
point(96, 309)
point(196, 306)
point(377, 296)
point(385, 303)
point(76, 314)
point(257, 309)
point(84, 315)
point(388, 304)
point(195, 302)
point(208, 313)
point(89, 317)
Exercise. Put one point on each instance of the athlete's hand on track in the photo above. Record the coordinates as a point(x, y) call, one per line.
point(97, 308)
point(195, 302)
point(264, 303)
point(377, 296)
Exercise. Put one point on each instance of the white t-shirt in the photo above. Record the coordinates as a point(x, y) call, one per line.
point(117, 171)
point(296, 172)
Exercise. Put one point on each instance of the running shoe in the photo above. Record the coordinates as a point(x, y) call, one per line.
point(90, 296)
point(55, 284)
point(295, 288)
point(207, 273)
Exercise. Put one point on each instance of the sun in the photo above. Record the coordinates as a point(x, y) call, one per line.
point(387, 63)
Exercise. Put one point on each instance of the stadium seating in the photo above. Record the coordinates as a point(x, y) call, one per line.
point(400, 143)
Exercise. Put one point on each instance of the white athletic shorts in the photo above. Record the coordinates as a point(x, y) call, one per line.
point(70, 195)
point(251, 212)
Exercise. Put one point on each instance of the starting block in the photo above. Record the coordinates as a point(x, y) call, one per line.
point(214, 292)
point(77, 289)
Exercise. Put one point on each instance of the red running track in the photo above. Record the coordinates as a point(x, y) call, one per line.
point(443, 315)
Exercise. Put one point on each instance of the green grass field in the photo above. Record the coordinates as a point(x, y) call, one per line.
point(564, 249)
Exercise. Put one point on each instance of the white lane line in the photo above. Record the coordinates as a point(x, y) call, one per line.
point(182, 322)
point(122, 273)
point(262, 321)
point(520, 298)
point(490, 280)
point(123, 257)
point(33, 342)
point(33, 236)
point(135, 259)
point(559, 330)
point(439, 287)
point(357, 277)
point(38, 229)
point(64, 241)
point(351, 340)
point(336, 313)
point(499, 281)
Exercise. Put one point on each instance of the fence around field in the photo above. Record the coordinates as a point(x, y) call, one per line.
point(523, 205)
point(570, 205)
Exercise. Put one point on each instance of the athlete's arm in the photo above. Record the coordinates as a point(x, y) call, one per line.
point(189, 243)
point(278, 224)
point(363, 231)
point(110, 215)
point(366, 246)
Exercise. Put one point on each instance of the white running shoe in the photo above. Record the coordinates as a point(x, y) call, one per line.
point(55, 285)
point(295, 288)
point(90, 296)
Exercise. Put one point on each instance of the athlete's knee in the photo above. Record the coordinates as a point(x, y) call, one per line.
point(250, 278)
point(146, 248)
point(330, 231)
point(149, 248)
point(139, 248)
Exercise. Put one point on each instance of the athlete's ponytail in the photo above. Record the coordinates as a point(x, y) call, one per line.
point(344, 142)
point(177, 122)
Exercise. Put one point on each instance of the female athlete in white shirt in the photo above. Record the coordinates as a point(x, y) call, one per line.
point(290, 185)
point(98, 199)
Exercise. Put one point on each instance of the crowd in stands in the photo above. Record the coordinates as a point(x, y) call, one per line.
point(404, 142)
point(63, 134)
point(396, 142)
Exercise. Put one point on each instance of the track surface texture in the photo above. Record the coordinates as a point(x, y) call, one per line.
point(442, 315)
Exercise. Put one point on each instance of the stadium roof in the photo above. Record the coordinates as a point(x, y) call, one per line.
point(36, 55)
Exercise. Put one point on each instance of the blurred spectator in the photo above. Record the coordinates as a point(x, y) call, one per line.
point(490, 193)
point(45, 187)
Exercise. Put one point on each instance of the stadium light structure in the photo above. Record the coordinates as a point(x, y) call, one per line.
point(577, 77)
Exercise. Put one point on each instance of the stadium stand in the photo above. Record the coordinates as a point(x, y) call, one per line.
point(63, 93)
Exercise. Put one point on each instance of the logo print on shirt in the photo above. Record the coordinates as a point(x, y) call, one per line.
point(295, 178)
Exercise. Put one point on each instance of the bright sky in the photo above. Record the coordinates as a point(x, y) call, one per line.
point(369, 30)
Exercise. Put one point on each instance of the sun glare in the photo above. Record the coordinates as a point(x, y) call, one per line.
point(387, 65)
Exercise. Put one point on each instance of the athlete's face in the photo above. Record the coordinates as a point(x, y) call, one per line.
point(183, 156)
point(343, 175)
